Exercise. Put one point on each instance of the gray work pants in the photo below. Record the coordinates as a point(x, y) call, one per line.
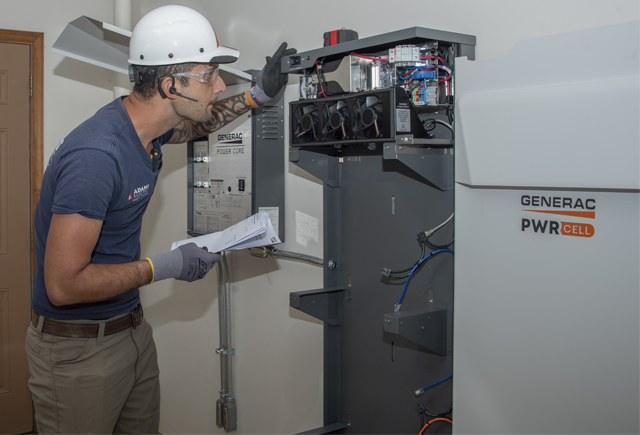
point(95, 385)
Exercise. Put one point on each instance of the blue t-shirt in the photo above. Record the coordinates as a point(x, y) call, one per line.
point(102, 171)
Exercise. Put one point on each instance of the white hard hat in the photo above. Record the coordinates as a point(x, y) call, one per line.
point(176, 34)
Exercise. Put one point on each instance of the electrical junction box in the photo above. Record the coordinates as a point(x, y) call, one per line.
point(238, 170)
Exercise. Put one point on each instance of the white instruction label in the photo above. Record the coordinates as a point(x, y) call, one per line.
point(403, 120)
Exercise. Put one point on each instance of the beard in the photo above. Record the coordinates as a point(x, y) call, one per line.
point(196, 111)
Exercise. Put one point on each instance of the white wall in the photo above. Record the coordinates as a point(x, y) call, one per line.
point(278, 364)
point(73, 90)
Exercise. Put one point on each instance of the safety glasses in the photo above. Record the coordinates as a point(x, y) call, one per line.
point(207, 77)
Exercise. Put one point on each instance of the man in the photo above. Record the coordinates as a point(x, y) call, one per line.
point(91, 353)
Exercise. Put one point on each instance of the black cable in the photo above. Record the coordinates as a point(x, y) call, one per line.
point(432, 246)
point(429, 124)
point(441, 415)
point(404, 272)
point(444, 54)
point(321, 81)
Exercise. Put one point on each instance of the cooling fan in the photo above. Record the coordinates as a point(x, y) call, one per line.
point(368, 115)
point(306, 123)
point(335, 121)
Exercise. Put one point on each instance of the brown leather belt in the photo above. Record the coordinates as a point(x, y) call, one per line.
point(89, 330)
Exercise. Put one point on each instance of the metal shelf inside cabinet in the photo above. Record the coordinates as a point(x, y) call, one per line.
point(432, 159)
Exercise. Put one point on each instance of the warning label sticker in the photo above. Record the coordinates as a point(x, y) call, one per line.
point(403, 120)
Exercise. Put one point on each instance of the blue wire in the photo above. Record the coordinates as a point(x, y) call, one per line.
point(418, 265)
point(422, 390)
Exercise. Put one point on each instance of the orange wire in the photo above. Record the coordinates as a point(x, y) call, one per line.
point(435, 419)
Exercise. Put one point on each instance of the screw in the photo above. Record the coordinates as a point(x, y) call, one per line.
point(331, 264)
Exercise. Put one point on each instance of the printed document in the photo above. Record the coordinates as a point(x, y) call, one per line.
point(253, 232)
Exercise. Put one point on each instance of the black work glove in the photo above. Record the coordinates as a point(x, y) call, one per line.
point(270, 80)
point(186, 263)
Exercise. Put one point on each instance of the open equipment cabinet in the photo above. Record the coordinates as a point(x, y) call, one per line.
point(374, 124)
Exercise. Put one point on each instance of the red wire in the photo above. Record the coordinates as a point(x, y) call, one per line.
point(432, 57)
point(435, 419)
point(444, 80)
point(320, 83)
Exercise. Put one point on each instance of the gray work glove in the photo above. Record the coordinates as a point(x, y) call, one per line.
point(270, 80)
point(186, 263)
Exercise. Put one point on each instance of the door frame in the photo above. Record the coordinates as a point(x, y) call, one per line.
point(35, 40)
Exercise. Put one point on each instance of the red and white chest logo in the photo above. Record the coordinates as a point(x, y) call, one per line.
point(138, 193)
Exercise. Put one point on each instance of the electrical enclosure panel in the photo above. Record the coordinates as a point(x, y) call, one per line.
point(378, 133)
point(238, 170)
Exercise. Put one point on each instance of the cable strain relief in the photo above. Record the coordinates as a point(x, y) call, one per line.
point(386, 272)
point(396, 308)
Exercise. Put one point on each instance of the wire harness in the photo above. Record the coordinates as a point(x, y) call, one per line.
point(434, 253)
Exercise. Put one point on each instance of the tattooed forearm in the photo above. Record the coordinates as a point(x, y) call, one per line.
point(223, 111)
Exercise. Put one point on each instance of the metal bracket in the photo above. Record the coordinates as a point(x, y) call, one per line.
point(427, 327)
point(323, 304)
point(408, 139)
point(430, 158)
point(222, 351)
point(323, 166)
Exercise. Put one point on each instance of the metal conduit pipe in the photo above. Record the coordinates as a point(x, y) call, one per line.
point(122, 19)
point(227, 326)
point(226, 415)
point(278, 253)
point(223, 331)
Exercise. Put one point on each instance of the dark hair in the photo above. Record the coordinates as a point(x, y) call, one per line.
point(147, 86)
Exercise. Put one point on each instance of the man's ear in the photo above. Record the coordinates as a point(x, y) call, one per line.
point(166, 87)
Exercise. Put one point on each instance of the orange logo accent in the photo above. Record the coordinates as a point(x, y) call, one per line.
point(580, 214)
point(576, 229)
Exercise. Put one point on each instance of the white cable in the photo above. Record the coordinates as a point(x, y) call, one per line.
point(430, 232)
point(446, 124)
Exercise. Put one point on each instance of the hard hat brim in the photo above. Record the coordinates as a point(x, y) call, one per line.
point(224, 55)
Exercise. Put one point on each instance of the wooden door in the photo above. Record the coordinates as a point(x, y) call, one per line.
point(15, 232)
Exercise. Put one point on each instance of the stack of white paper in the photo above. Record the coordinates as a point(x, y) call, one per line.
point(252, 232)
